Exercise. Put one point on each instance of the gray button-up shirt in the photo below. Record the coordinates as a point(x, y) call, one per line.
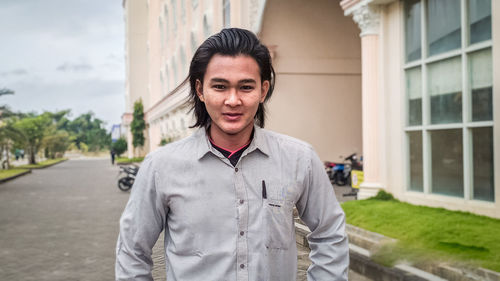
point(218, 225)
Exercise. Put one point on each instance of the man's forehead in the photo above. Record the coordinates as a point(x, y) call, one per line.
point(218, 62)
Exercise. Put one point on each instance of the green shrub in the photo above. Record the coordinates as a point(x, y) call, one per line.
point(120, 146)
point(382, 195)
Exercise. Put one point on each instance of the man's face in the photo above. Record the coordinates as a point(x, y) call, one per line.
point(232, 91)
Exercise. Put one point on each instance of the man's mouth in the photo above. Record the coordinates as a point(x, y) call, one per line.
point(232, 116)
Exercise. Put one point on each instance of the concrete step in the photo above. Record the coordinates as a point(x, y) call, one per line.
point(363, 243)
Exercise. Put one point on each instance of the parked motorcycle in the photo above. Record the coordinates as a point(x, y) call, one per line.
point(127, 180)
point(340, 173)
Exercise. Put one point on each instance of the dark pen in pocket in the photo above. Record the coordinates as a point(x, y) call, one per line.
point(264, 191)
point(264, 194)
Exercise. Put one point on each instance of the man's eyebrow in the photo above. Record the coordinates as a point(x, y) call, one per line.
point(247, 81)
point(221, 80)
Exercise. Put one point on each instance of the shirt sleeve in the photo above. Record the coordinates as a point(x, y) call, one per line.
point(321, 212)
point(140, 225)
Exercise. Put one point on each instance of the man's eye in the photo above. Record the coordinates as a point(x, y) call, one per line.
point(219, 87)
point(247, 88)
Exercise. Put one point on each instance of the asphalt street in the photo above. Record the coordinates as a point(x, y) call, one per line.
point(61, 223)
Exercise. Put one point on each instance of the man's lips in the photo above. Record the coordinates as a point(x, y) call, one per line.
point(231, 115)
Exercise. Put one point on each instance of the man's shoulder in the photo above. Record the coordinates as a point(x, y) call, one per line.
point(174, 151)
point(285, 142)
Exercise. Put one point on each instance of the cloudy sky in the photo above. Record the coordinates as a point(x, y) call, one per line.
point(63, 54)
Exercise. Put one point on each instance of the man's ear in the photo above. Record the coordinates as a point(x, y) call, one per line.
point(264, 90)
point(199, 90)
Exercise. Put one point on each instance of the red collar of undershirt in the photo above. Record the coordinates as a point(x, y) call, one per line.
point(232, 152)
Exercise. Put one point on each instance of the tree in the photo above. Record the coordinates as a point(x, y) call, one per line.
point(56, 143)
point(8, 136)
point(4, 109)
point(138, 124)
point(119, 146)
point(33, 130)
point(89, 130)
point(5, 91)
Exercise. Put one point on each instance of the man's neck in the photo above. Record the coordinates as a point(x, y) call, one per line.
point(230, 142)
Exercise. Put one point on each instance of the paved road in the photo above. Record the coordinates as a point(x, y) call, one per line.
point(61, 223)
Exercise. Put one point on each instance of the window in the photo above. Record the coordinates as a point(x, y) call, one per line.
point(449, 87)
point(165, 16)
point(162, 32)
point(183, 11)
point(173, 4)
point(226, 12)
point(206, 27)
point(184, 65)
point(194, 45)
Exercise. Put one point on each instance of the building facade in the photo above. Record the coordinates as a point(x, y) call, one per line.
point(429, 96)
point(408, 84)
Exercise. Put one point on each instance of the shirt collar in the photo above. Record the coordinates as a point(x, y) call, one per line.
point(203, 143)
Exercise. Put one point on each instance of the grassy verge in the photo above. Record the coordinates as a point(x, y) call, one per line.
point(11, 172)
point(428, 234)
point(42, 164)
point(125, 160)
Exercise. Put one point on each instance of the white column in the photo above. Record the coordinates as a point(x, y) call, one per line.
point(367, 17)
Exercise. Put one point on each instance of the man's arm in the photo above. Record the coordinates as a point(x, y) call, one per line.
point(319, 209)
point(140, 225)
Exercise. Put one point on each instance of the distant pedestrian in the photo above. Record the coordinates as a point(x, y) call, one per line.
point(225, 195)
point(113, 153)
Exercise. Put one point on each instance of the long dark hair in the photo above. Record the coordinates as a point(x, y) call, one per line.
point(230, 42)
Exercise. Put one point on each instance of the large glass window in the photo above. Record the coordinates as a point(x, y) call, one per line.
point(413, 34)
point(482, 151)
point(481, 82)
point(443, 28)
point(414, 92)
point(479, 20)
point(447, 167)
point(449, 92)
point(416, 163)
point(445, 91)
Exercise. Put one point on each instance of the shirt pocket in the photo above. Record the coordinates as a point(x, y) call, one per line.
point(279, 223)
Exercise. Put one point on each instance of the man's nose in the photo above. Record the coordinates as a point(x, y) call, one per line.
point(233, 98)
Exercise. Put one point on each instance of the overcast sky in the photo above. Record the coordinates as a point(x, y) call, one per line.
point(63, 54)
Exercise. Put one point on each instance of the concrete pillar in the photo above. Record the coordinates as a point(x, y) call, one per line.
point(367, 17)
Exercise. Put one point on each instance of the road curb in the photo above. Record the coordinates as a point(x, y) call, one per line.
point(46, 166)
point(16, 176)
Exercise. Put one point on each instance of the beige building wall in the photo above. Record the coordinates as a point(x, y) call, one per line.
point(136, 85)
point(317, 59)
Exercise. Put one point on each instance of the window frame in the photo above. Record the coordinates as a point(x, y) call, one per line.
point(466, 125)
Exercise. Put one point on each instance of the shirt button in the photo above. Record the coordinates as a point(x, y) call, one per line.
point(236, 169)
point(242, 201)
point(242, 233)
point(242, 266)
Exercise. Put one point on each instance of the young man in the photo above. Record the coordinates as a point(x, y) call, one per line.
point(225, 195)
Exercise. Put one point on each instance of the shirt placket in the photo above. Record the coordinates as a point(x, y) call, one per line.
point(242, 244)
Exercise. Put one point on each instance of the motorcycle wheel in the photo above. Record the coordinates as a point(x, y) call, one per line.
point(124, 184)
point(340, 180)
point(348, 182)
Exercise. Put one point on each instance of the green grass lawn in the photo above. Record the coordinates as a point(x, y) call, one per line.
point(125, 160)
point(11, 172)
point(428, 234)
point(42, 164)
